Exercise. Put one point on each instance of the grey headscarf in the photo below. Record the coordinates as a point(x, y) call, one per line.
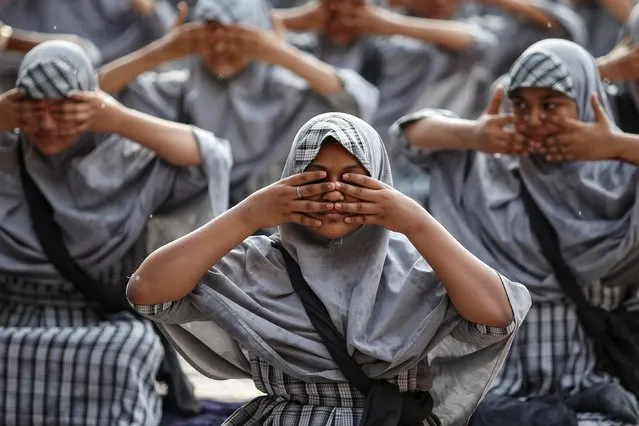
point(102, 189)
point(379, 292)
point(592, 205)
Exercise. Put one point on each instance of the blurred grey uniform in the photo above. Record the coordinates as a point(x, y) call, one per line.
point(603, 28)
point(258, 112)
point(592, 205)
point(404, 69)
point(244, 319)
point(61, 362)
point(113, 27)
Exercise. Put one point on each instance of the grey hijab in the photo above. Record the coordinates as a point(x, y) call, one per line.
point(103, 189)
point(592, 205)
point(378, 290)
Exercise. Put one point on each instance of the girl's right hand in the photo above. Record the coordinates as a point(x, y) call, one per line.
point(282, 202)
point(184, 39)
point(17, 112)
point(494, 132)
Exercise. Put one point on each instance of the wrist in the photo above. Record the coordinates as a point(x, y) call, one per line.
point(244, 215)
point(618, 145)
point(421, 226)
point(603, 65)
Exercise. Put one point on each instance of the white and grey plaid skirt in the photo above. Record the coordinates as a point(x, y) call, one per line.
point(62, 364)
point(291, 402)
point(551, 353)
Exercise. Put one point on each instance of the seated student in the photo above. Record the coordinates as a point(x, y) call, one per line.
point(243, 83)
point(401, 55)
point(481, 171)
point(81, 175)
point(390, 291)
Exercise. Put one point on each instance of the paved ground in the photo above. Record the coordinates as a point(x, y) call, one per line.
point(221, 390)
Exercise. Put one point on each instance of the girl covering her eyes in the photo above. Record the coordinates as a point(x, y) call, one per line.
point(416, 312)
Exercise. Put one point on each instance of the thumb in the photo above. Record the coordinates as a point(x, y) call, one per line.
point(600, 114)
point(183, 13)
point(495, 103)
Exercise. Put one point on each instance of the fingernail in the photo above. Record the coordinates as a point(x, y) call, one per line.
point(346, 176)
point(338, 206)
point(330, 206)
point(348, 220)
point(317, 223)
point(331, 186)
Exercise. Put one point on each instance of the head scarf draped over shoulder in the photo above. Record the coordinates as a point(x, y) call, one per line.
point(380, 293)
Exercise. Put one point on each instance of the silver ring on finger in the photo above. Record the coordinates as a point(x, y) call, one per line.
point(298, 191)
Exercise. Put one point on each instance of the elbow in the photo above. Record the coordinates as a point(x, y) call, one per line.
point(136, 291)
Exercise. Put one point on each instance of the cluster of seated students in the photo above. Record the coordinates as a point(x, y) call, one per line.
point(353, 203)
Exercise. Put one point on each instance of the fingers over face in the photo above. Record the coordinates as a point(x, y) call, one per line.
point(304, 178)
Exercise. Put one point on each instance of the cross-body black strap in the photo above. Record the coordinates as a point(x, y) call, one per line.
point(49, 234)
point(549, 242)
point(385, 405)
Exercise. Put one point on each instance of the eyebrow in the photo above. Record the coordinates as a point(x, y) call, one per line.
point(345, 169)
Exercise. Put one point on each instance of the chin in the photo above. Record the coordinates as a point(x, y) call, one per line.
point(53, 147)
point(334, 230)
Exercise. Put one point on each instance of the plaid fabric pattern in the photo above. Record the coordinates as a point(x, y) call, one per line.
point(331, 127)
point(541, 70)
point(61, 364)
point(53, 79)
point(254, 13)
point(551, 354)
point(292, 402)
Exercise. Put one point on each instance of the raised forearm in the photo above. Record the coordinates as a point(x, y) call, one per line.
point(439, 133)
point(175, 143)
point(118, 74)
point(172, 272)
point(321, 77)
point(295, 19)
point(449, 35)
point(626, 147)
point(620, 9)
point(526, 10)
point(475, 290)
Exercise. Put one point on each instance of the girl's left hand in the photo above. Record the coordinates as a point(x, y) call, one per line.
point(259, 45)
point(378, 204)
point(88, 112)
point(576, 140)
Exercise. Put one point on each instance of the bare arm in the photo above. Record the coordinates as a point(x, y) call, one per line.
point(175, 143)
point(183, 41)
point(308, 17)
point(118, 74)
point(626, 147)
point(172, 272)
point(438, 133)
point(456, 36)
point(620, 9)
point(526, 10)
point(474, 288)
point(321, 77)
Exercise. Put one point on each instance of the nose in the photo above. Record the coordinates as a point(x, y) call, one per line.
point(48, 122)
point(535, 117)
point(333, 196)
